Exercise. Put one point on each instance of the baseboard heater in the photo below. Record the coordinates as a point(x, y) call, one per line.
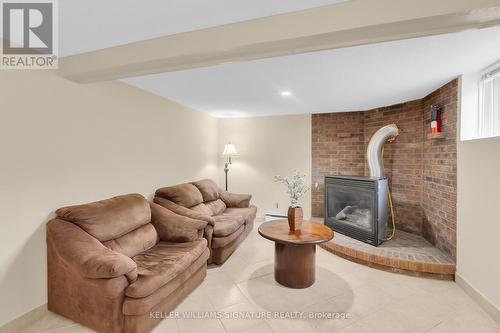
point(275, 216)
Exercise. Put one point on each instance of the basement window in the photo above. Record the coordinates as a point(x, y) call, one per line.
point(488, 121)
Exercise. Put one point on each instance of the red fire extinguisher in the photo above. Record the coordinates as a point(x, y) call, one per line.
point(436, 119)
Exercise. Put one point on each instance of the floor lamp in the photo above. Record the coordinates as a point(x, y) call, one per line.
point(229, 151)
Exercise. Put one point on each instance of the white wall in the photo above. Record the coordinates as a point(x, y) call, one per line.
point(62, 143)
point(268, 146)
point(469, 107)
point(478, 220)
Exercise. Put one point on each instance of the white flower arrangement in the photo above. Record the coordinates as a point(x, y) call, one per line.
point(296, 186)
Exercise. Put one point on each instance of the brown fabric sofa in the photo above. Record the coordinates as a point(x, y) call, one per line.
point(113, 262)
point(229, 216)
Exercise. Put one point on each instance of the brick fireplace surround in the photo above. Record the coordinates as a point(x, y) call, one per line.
point(421, 171)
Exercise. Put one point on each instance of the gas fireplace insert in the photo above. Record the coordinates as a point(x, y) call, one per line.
point(357, 207)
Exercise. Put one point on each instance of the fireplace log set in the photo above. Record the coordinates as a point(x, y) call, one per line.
point(356, 215)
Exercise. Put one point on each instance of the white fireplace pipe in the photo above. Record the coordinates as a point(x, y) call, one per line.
point(374, 152)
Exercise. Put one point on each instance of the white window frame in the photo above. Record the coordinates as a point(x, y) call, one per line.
point(488, 117)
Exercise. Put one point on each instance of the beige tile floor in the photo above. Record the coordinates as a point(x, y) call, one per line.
point(375, 301)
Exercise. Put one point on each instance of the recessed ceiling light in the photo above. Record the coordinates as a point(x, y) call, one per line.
point(286, 93)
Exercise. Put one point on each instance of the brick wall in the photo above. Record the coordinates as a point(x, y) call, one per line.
point(439, 200)
point(338, 148)
point(421, 172)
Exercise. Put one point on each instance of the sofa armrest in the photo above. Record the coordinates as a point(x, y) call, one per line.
point(181, 210)
point(208, 234)
point(234, 200)
point(85, 255)
point(174, 227)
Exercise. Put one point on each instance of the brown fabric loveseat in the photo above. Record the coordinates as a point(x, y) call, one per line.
point(113, 262)
point(229, 216)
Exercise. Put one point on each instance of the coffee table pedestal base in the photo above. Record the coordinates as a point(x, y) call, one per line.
point(294, 265)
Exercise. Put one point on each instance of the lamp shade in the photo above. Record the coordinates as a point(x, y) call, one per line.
point(229, 150)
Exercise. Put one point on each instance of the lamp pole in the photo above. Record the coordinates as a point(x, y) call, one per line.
point(229, 151)
point(226, 168)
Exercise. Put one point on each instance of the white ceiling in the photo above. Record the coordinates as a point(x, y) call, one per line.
point(349, 79)
point(95, 24)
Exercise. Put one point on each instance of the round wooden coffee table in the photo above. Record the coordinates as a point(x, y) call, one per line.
point(294, 256)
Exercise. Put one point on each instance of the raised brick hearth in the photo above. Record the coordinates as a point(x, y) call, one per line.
point(421, 170)
point(406, 253)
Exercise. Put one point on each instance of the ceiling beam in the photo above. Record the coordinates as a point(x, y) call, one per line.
point(350, 23)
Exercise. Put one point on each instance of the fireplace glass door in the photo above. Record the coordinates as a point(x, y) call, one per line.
point(352, 206)
point(357, 207)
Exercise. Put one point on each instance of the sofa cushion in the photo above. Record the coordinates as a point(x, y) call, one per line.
point(202, 208)
point(215, 207)
point(218, 242)
point(181, 210)
point(111, 218)
point(134, 242)
point(208, 188)
point(236, 200)
point(186, 195)
point(247, 213)
point(227, 224)
point(140, 306)
point(162, 263)
point(174, 227)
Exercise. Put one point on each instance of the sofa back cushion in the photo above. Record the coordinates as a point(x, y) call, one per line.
point(186, 195)
point(208, 188)
point(172, 227)
point(202, 208)
point(135, 242)
point(215, 207)
point(111, 218)
point(235, 200)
